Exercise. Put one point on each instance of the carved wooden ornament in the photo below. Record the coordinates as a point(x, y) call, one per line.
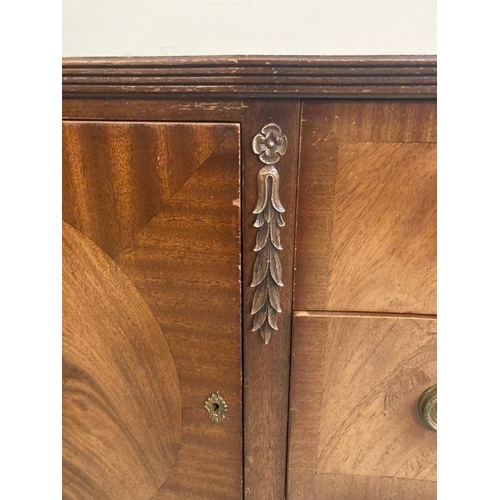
point(270, 145)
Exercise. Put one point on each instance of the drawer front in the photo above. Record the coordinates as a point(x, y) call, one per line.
point(151, 311)
point(355, 428)
point(366, 223)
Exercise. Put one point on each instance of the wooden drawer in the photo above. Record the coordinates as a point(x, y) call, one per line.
point(355, 431)
point(366, 226)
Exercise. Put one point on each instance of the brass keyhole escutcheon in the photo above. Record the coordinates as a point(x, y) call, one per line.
point(427, 407)
point(216, 408)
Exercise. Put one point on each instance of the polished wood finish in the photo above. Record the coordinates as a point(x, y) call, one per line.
point(183, 258)
point(121, 417)
point(253, 77)
point(366, 228)
point(115, 183)
point(330, 486)
point(354, 429)
point(151, 231)
point(267, 367)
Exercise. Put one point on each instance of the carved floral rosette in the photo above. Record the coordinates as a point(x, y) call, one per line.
point(270, 145)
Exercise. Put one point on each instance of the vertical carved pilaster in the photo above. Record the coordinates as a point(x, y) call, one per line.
point(270, 145)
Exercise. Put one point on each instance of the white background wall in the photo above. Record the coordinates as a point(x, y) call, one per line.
point(280, 27)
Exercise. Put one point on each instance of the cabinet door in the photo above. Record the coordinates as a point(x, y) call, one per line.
point(151, 311)
point(355, 429)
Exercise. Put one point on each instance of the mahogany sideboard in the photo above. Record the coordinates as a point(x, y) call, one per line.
point(249, 278)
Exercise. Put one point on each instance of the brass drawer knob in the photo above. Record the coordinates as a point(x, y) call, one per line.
point(427, 407)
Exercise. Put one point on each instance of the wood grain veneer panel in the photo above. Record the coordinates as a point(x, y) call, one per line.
point(186, 264)
point(121, 420)
point(163, 199)
point(375, 121)
point(331, 486)
point(375, 370)
point(117, 175)
point(366, 225)
point(354, 426)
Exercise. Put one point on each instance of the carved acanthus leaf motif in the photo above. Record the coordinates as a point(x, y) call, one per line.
point(270, 145)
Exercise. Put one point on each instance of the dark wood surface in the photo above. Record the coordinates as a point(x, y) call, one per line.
point(213, 110)
point(266, 371)
point(267, 367)
point(172, 295)
point(253, 77)
point(355, 433)
point(366, 228)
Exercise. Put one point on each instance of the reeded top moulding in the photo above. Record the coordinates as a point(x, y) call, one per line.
point(253, 76)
